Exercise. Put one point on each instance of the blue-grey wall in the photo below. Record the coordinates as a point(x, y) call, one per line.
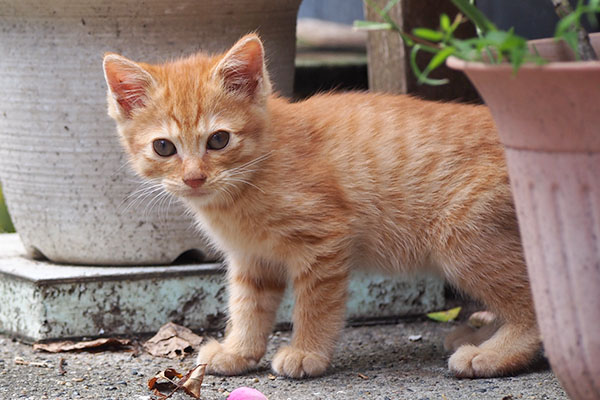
point(343, 11)
point(531, 19)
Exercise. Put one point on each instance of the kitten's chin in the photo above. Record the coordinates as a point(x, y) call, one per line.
point(197, 194)
point(199, 198)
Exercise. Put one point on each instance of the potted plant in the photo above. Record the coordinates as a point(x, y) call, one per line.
point(68, 190)
point(544, 100)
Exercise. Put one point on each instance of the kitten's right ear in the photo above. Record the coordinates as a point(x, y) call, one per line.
point(128, 83)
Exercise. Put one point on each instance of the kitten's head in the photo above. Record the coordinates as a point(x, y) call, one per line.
point(194, 123)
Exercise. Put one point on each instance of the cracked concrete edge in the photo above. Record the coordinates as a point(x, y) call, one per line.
point(40, 305)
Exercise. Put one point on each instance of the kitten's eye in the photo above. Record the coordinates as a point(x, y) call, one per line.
point(218, 140)
point(164, 147)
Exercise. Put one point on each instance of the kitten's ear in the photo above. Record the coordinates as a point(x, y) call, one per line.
point(242, 70)
point(128, 84)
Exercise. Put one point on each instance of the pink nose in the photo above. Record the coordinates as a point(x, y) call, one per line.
point(196, 181)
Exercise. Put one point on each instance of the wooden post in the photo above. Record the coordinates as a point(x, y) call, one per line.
point(389, 67)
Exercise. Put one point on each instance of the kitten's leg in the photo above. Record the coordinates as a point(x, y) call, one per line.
point(255, 292)
point(319, 315)
point(497, 277)
point(510, 349)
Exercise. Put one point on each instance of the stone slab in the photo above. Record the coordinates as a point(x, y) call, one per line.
point(42, 301)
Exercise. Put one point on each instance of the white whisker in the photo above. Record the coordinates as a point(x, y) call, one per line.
point(246, 182)
point(141, 194)
point(252, 162)
point(155, 202)
point(239, 173)
point(225, 189)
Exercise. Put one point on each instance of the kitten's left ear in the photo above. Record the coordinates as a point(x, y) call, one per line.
point(128, 84)
point(242, 70)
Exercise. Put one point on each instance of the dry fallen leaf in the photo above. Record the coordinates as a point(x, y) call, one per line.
point(172, 341)
point(362, 376)
point(61, 366)
point(191, 382)
point(67, 345)
point(21, 361)
point(163, 377)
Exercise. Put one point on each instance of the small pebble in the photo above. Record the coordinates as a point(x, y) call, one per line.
point(415, 338)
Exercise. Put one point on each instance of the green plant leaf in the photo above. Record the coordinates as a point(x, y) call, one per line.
point(407, 39)
point(592, 8)
point(439, 58)
point(389, 6)
point(445, 316)
point(445, 22)
point(567, 24)
point(496, 38)
point(6, 225)
point(572, 40)
point(476, 16)
point(372, 26)
point(386, 17)
point(457, 21)
point(422, 76)
point(428, 34)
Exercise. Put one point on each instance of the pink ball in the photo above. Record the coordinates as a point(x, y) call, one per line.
point(246, 393)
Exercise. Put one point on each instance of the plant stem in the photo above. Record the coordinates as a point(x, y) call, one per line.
point(562, 7)
point(584, 48)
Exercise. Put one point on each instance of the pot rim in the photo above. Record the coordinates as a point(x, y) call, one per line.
point(460, 64)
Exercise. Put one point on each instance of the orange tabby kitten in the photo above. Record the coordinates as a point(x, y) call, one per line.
point(304, 192)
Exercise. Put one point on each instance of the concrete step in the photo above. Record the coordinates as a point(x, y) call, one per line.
point(40, 300)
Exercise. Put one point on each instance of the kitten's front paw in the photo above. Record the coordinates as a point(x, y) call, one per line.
point(296, 363)
point(474, 362)
point(220, 361)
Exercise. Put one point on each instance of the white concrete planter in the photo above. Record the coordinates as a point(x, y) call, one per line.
point(61, 165)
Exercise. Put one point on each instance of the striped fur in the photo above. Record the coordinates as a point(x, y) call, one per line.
point(305, 192)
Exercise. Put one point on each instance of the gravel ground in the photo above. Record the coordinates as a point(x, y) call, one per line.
point(372, 362)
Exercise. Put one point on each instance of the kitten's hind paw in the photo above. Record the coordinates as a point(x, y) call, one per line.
point(295, 363)
point(510, 349)
point(472, 362)
point(479, 362)
point(220, 361)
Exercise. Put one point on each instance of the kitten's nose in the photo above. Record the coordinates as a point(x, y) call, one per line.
point(195, 181)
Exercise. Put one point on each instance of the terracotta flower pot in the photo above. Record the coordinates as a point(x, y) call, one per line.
point(549, 121)
point(61, 166)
